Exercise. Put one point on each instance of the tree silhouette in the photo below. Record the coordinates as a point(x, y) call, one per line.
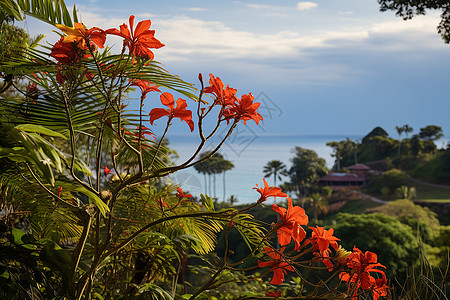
point(407, 129)
point(400, 130)
point(339, 150)
point(407, 9)
point(319, 204)
point(307, 168)
point(431, 133)
point(212, 166)
point(275, 168)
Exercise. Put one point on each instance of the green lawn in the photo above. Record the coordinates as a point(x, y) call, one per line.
point(358, 206)
point(352, 207)
point(432, 194)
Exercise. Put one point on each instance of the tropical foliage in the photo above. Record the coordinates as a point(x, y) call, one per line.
point(87, 210)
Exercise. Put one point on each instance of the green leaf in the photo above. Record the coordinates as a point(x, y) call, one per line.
point(17, 235)
point(207, 202)
point(12, 8)
point(94, 199)
point(39, 129)
point(97, 296)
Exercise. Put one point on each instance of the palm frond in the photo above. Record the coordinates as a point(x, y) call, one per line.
point(49, 11)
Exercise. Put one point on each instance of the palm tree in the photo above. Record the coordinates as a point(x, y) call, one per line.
point(400, 130)
point(353, 145)
point(407, 129)
point(224, 166)
point(233, 199)
point(212, 166)
point(339, 150)
point(405, 192)
point(275, 168)
point(319, 204)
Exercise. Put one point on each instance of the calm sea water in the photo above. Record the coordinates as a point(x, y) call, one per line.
point(249, 154)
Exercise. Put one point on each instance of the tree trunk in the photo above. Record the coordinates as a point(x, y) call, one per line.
point(224, 188)
point(214, 181)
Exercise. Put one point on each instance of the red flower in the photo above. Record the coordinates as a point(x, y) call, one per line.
point(82, 36)
point(290, 225)
point(140, 40)
point(381, 288)
point(162, 203)
point(321, 240)
point(278, 265)
point(59, 191)
point(274, 294)
point(173, 112)
point(225, 96)
point(361, 265)
point(243, 109)
point(106, 170)
point(267, 192)
point(146, 86)
point(67, 53)
point(180, 194)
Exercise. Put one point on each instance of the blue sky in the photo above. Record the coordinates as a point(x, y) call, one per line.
point(323, 67)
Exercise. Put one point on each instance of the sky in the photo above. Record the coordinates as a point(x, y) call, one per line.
point(318, 68)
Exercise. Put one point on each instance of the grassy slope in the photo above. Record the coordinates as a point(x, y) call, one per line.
point(432, 194)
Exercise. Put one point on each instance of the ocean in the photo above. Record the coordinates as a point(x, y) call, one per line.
point(249, 154)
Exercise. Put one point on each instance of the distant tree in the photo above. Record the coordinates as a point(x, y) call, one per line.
point(353, 146)
point(215, 164)
point(407, 129)
point(338, 153)
point(232, 199)
point(319, 204)
point(224, 166)
point(416, 145)
point(389, 181)
point(410, 8)
point(399, 131)
point(307, 168)
point(406, 192)
point(275, 168)
point(204, 168)
point(377, 131)
point(431, 133)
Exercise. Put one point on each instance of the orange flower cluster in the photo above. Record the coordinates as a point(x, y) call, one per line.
point(79, 42)
point(138, 40)
point(361, 265)
point(231, 106)
point(179, 111)
point(268, 191)
point(356, 267)
point(278, 264)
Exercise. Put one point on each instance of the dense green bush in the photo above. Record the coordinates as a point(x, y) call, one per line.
point(393, 241)
point(391, 180)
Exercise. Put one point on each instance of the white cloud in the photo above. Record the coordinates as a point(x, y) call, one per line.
point(263, 6)
point(189, 38)
point(306, 5)
point(197, 9)
point(346, 13)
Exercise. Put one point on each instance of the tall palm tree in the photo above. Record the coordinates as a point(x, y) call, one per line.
point(339, 150)
point(319, 204)
point(225, 165)
point(275, 168)
point(407, 129)
point(400, 130)
point(212, 166)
